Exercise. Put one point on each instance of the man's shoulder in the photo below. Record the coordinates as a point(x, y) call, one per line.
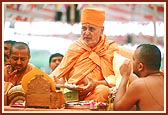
point(30, 66)
point(139, 80)
point(138, 83)
point(6, 70)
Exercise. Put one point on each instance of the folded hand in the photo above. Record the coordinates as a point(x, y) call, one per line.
point(126, 69)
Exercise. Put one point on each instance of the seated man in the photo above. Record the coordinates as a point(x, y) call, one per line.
point(19, 65)
point(55, 60)
point(7, 45)
point(88, 61)
point(6, 60)
point(147, 91)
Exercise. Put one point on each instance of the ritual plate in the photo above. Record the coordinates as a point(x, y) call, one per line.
point(77, 105)
point(35, 71)
point(69, 87)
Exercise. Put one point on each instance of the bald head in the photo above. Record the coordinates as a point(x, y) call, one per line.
point(150, 56)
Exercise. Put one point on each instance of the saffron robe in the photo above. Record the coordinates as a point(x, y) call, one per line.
point(81, 61)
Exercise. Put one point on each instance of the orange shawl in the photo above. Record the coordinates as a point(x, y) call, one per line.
point(80, 61)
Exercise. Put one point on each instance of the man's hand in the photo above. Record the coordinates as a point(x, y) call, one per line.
point(126, 69)
point(12, 76)
point(90, 87)
point(59, 81)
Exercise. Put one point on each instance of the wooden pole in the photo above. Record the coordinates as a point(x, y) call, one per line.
point(154, 23)
point(72, 12)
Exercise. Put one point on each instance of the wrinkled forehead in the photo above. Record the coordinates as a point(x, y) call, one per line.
point(89, 25)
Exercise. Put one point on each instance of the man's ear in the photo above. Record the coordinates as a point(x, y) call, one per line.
point(140, 67)
point(49, 65)
point(29, 57)
point(102, 28)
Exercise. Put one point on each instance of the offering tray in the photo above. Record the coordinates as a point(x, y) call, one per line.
point(77, 105)
point(71, 87)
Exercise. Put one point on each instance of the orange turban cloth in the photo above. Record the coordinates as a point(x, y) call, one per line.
point(93, 16)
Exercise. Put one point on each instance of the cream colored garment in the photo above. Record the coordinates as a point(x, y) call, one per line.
point(117, 62)
point(125, 51)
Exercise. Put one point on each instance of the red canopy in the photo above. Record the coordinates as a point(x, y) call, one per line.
point(115, 12)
